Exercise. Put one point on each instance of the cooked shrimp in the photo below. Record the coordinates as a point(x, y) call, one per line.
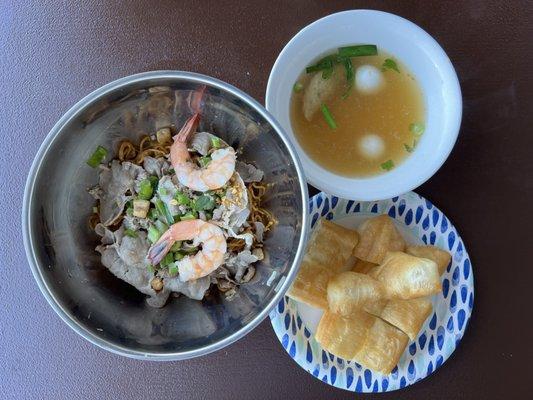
point(205, 261)
point(214, 175)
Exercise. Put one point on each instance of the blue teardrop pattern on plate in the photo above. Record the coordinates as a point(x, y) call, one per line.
point(466, 269)
point(349, 205)
point(287, 321)
point(325, 209)
point(425, 239)
point(299, 322)
point(375, 388)
point(444, 224)
point(403, 382)
point(292, 350)
point(349, 377)
point(431, 346)
point(316, 371)
point(359, 385)
point(334, 201)
point(471, 301)
point(453, 301)
point(449, 325)
point(432, 238)
point(429, 205)
point(401, 207)
point(333, 375)
point(430, 368)
point(319, 200)
point(324, 358)
point(385, 384)
point(418, 215)
point(309, 354)
point(433, 321)
point(392, 212)
point(368, 378)
point(455, 276)
point(281, 306)
point(357, 208)
point(340, 362)
point(422, 340)
point(325, 379)
point(435, 217)
point(307, 334)
point(394, 372)
point(331, 357)
point(461, 319)
point(440, 337)
point(464, 293)
point(451, 240)
point(445, 287)
point(330, 216)
point(395, 199)
point(425, 223)
point(411, 370)
point(439, 362)
point(285, 341)
point(374, 208)
point(408, 217)
point(314, 219)
point(357, 366)
point(412, 349)
point(458, 254)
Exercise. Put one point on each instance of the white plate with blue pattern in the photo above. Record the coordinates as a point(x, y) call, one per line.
point(420, 222)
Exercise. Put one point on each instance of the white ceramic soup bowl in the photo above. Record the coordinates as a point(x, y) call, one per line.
point(419, 52)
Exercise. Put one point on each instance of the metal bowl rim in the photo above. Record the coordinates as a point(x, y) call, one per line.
point(27, 215)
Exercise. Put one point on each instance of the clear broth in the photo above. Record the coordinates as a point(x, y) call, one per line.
point(388, 114)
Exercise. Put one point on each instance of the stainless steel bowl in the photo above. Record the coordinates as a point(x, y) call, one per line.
point(60, 246)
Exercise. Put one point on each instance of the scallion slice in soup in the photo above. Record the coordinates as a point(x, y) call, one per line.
point(328, 116)
point(97, 157)
point(358, 50)
point(387, 165)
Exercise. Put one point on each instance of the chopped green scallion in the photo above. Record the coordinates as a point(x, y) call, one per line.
point(173, 269)
point(154, 181)
point(97, 157)
point(161, 226)
point(169, 258)
point(389, 63)
point(182, 198)
point(326, 74)
point(216, 142)
point(162, 209)
point(130, 233)
point(189, 215)
point(204, 161)
point(417, 128)
point(145, 190)
point(176, 246)
point(358, 50)
point(163, 191)
point(297, 87)
point(153, 234)
point(178, 256)
point(328, 116)
point(387, 165)
point(204, 202)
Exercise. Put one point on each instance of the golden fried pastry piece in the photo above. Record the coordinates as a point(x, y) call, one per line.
point(328, 252)
point(350, 291)
point(383, 347)
point(407, 277)
point(378, 237)
point(362, 266)
point(406, 315)
point(441, 257)
point(342, 336)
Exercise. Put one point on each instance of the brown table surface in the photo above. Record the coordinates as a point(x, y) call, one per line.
point(54, 53)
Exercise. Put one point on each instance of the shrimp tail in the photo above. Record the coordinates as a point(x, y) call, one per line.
point(195, 99)
point(160, 249)
point(187, 129)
